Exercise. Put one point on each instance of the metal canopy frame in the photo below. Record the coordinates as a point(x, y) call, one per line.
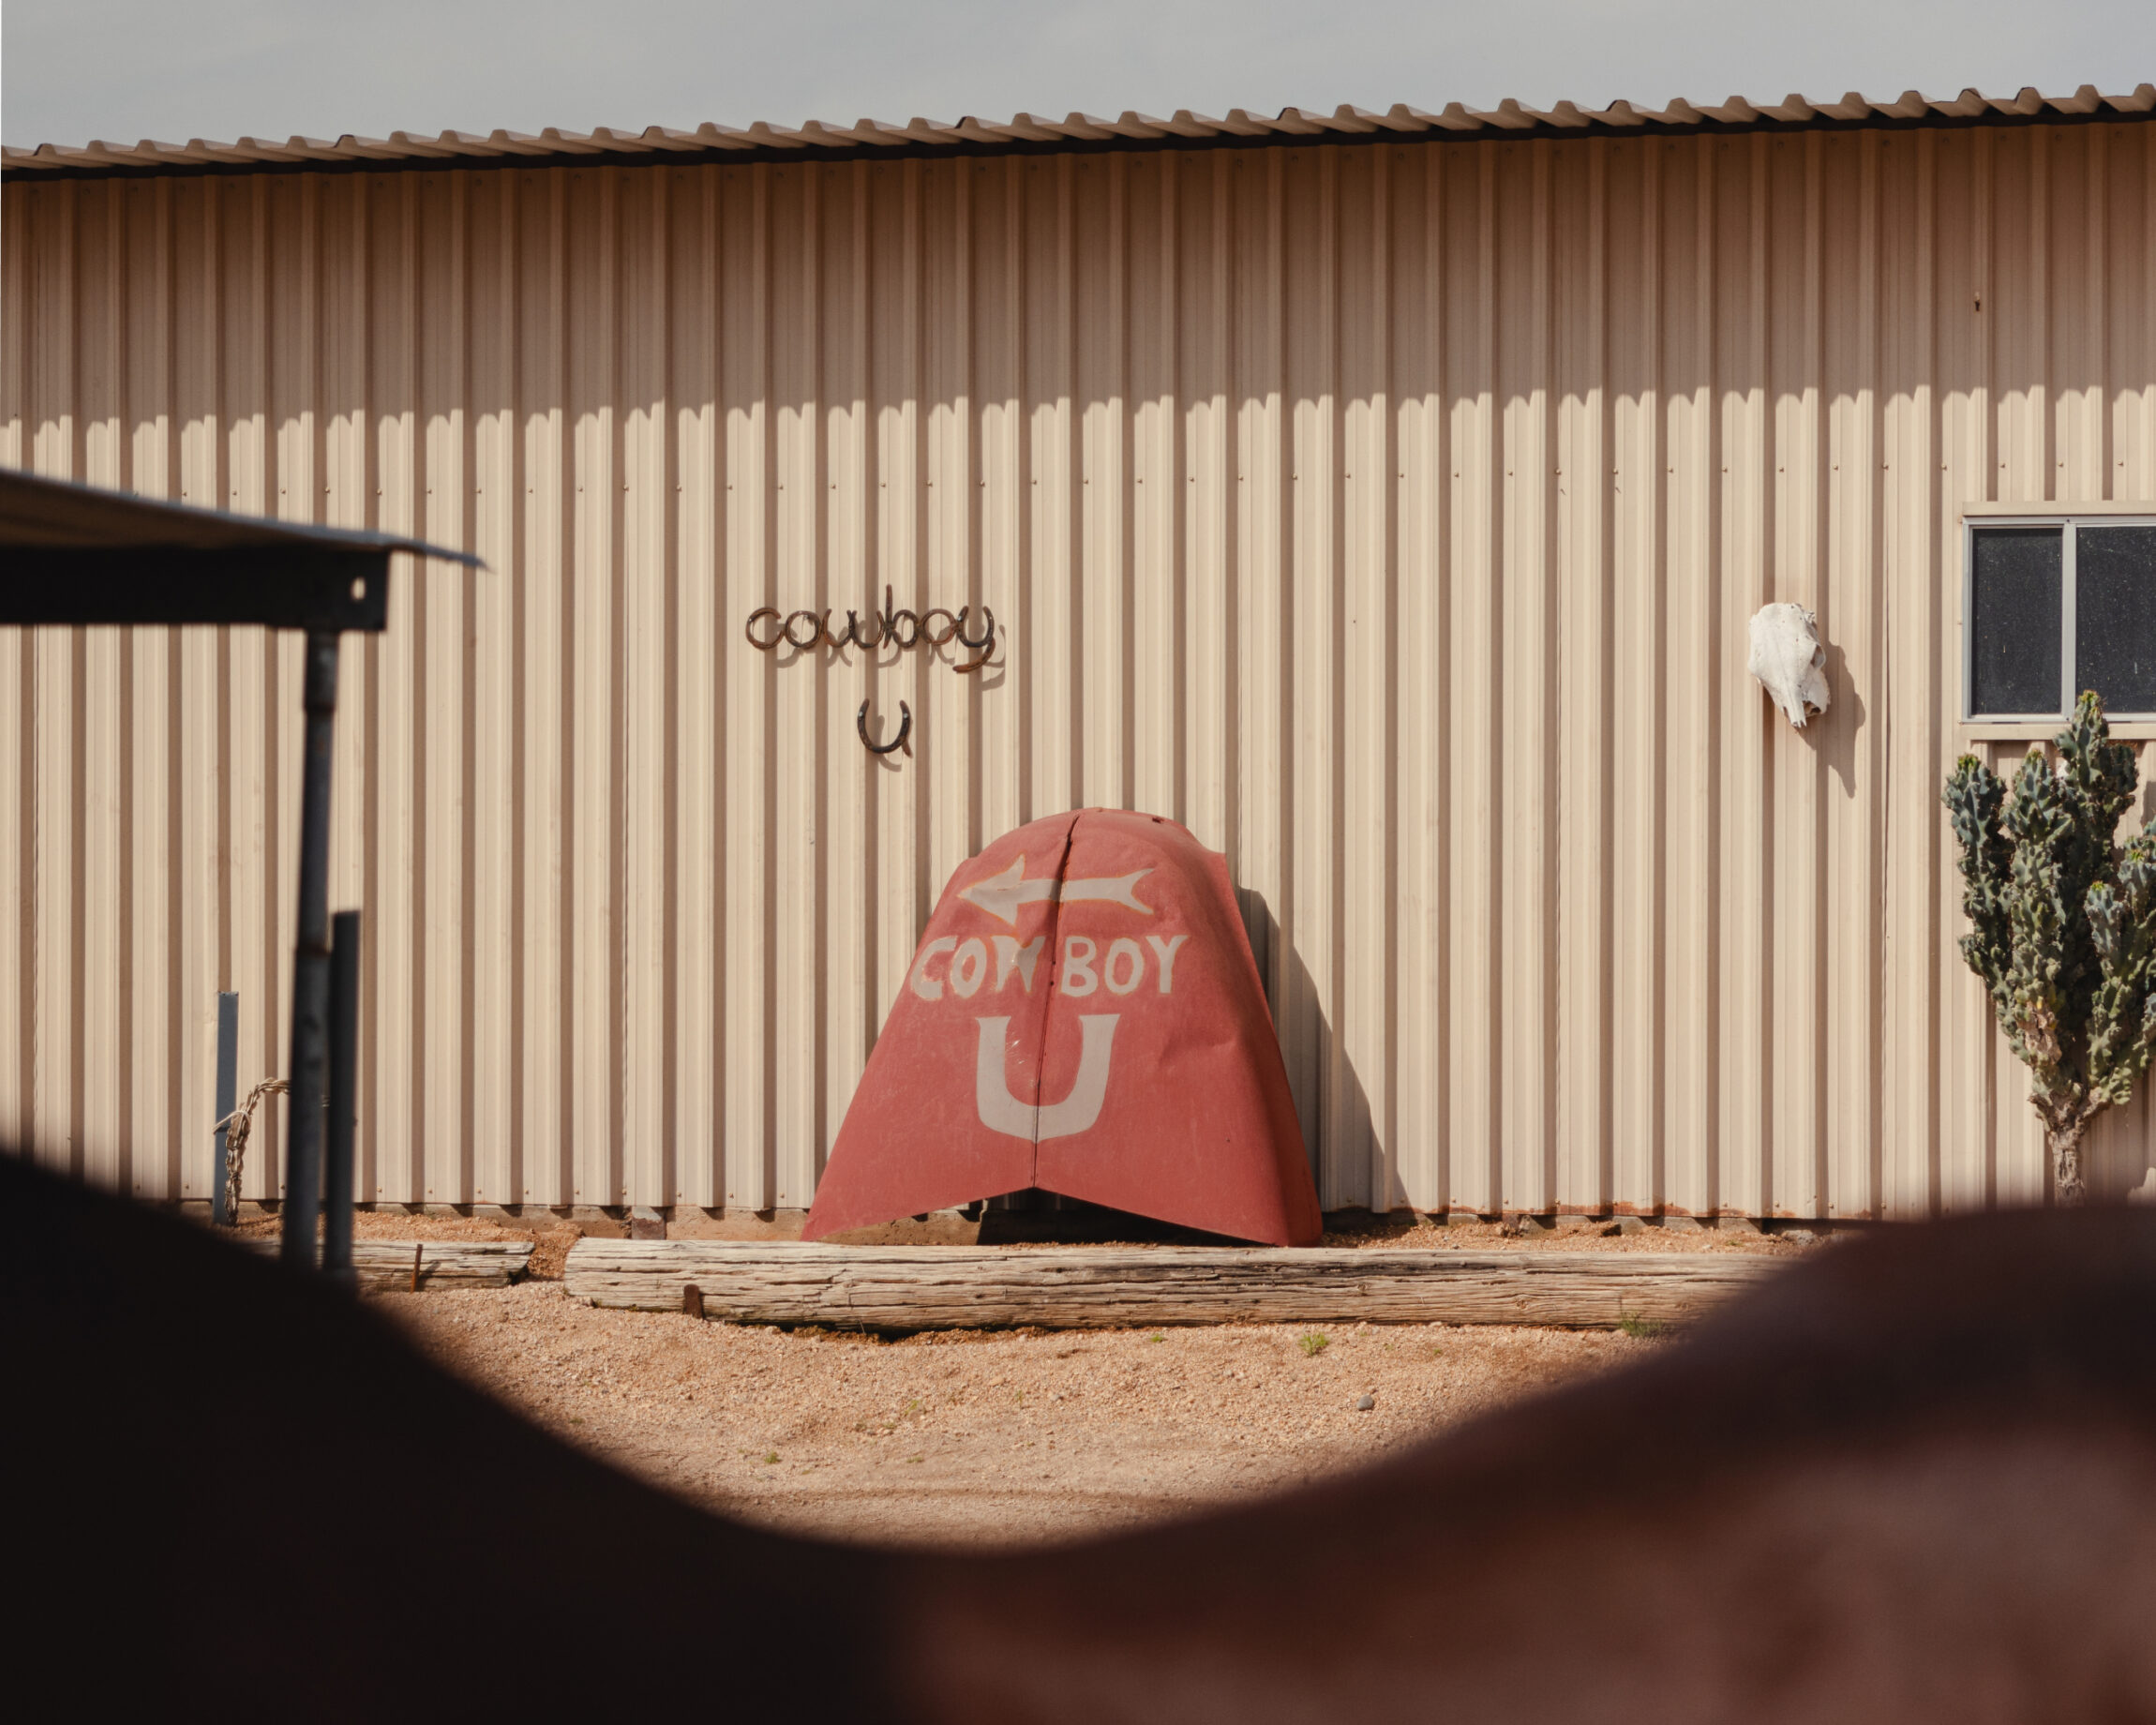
point(79, 555)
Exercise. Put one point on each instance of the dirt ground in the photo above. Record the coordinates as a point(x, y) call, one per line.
point(959, 1439)
point(1404, 1229)
point(985, 1438)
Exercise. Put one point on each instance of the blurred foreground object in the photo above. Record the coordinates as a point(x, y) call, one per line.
point(1907, 1481)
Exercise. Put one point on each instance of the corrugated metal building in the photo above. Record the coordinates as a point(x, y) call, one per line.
point(1382, 496)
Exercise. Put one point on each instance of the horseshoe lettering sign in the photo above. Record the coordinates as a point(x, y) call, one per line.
point(1082, 1016)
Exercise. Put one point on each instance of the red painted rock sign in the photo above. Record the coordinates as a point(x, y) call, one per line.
point(1082, 1016)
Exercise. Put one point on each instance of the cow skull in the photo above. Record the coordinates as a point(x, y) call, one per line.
point(1789, 661)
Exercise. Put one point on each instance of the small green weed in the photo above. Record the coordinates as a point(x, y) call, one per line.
point(770, 1458)
point(910, 1460)
point(1158, 1336)
point(1314, 1344)
point(1632, 1324)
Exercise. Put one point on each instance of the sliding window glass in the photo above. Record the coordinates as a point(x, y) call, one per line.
point(2056, 607)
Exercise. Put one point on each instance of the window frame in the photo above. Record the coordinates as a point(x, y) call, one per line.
point(2068, 521)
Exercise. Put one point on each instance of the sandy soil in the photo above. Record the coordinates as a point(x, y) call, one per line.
point(1401, 1229)
point(968, 1438)
point(978, 1438)
point(1587, 1236)
point(553, 1235)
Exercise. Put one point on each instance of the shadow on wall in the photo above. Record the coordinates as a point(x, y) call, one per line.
point(1284, 976)
point(1834, 732)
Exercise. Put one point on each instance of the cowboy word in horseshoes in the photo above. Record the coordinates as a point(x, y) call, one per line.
point(806, 631)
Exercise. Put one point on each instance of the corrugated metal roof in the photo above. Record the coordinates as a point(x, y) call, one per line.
point(1026, 132)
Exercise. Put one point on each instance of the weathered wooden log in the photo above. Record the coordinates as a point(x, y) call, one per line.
point(442, 1263)
point(938, 1288)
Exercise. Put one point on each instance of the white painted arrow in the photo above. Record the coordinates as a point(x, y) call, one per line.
point(1004, 895)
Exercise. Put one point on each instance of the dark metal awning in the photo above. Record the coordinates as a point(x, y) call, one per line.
point(79, 554)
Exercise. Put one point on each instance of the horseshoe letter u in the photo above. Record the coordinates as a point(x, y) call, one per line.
point(1002, 1112)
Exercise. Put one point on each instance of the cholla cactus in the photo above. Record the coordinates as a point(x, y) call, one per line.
point(2062, 926)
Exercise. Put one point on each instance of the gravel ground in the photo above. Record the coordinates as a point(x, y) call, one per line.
point(972, 1439)
point(1586, 1236)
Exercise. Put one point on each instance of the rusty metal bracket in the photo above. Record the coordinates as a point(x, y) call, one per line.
point(900, 741)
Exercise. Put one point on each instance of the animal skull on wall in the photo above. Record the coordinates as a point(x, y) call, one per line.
point(1789, 661)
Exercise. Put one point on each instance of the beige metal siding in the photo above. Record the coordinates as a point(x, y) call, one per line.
point(1390, 512)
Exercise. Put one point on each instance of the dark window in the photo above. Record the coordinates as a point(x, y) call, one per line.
point(2114, 615)
point(2016, 598)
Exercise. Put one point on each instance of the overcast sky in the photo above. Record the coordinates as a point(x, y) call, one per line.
point(172, 69)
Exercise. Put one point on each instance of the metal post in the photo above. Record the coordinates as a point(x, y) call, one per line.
point(310, 962)
point(343, 1095)
point(228, 1099)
